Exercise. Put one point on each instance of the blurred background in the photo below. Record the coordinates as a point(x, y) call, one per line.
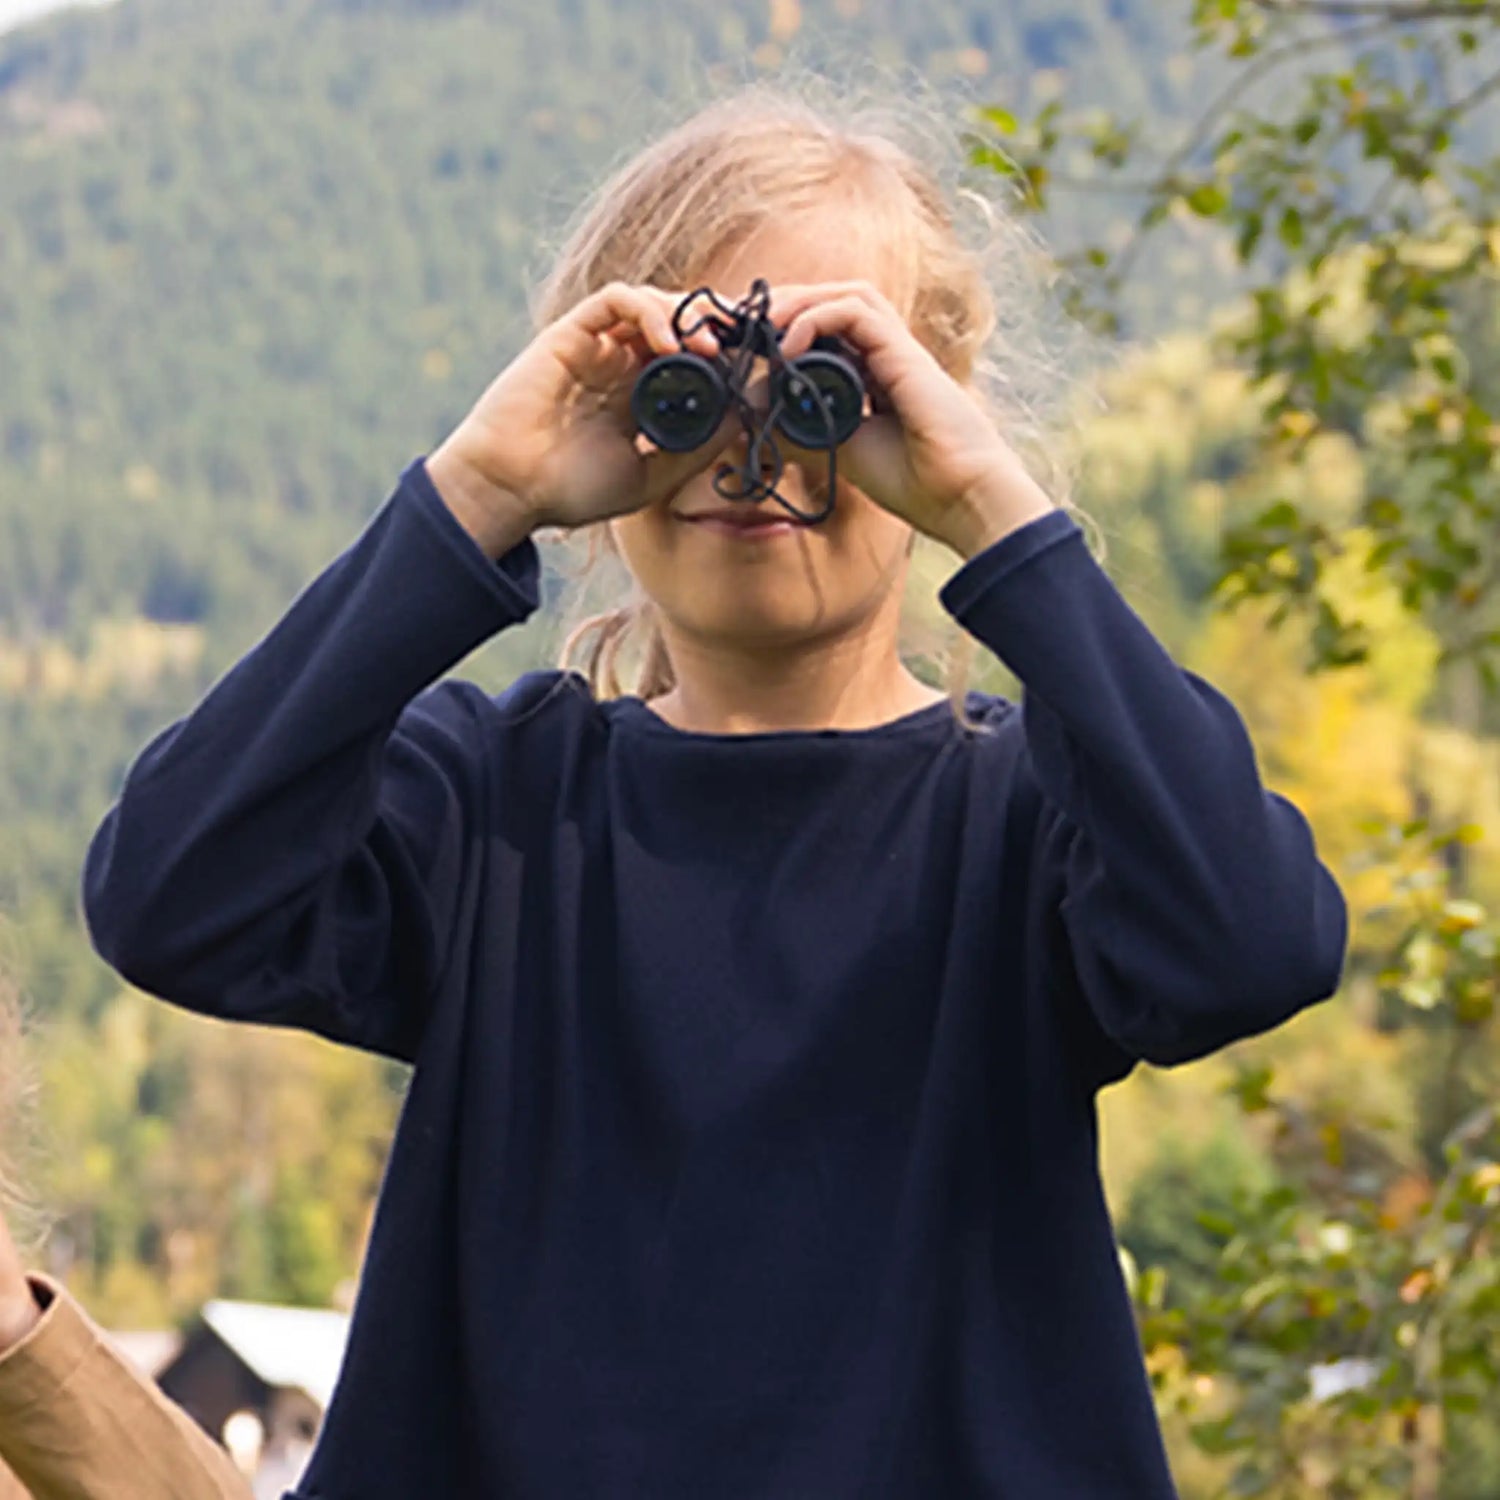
point(255, 258)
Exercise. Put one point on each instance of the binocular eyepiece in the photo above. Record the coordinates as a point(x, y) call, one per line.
point(817, 400)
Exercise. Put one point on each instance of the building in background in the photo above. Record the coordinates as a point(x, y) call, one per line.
point(255, 1377)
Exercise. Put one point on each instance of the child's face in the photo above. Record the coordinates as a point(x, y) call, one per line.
point(809, 583)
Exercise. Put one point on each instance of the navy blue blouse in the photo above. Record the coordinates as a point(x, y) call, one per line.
point(750, 1150)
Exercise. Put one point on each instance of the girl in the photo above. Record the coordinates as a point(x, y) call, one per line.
point(757, 1016)
point(76, 1419)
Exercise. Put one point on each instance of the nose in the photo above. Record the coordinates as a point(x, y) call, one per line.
point(757, 390)
point(752, 416)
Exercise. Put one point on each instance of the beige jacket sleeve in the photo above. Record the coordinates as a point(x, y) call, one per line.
point(79, 1422)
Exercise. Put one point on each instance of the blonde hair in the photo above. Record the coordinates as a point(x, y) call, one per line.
point(973, 282)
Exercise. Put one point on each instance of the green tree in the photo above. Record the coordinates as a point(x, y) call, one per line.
point(1349, 1340)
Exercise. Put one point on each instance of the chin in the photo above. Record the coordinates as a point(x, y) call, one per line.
point(750, 623)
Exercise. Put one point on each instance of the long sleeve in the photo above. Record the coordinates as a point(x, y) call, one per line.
point(1196, 909)
point(77, 1422)
point(293, 851)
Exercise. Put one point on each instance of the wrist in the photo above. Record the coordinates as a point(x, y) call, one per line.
point(992, 511)
point(495, 517)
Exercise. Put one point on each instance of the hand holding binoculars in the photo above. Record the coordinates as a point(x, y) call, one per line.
point(817, 400)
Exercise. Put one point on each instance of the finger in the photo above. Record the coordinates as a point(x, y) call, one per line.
point(624, 333)
point(616, 397)
point(612, 362)
point(632, 342)
point(609, 337)
point(688, 310)
point(787, 302)
point(872, 330)
point(650, 309)
point(647, 309)
point(618, 302)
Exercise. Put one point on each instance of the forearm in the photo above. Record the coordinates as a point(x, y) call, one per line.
point(78, 1422)
point(1197, 908)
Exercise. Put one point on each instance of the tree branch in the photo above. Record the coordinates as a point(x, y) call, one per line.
point(1476, 95)
point(1267, 62)
point(1405, 12)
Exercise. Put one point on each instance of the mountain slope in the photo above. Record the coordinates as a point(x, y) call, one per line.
point(255, 258)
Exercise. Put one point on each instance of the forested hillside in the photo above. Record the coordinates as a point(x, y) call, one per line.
point(252, 260)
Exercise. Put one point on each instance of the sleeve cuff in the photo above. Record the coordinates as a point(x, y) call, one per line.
point(998, 561)
point(513, 580)
point(41, 1364)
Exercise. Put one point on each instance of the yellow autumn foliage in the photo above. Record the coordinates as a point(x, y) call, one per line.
point(1164, 406)
point(1345, 745)
point(129, 655)
point(262, 1107)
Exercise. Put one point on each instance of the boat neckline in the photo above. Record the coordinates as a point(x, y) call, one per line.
point(633, 710)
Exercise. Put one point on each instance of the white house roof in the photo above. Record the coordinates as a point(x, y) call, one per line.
point(1340, 1375)
point(299, 1348)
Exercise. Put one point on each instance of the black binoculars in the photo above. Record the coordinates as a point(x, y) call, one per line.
point(817, 400)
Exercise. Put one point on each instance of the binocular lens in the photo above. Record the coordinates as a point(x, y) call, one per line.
point(678, 401)
point(822, 401)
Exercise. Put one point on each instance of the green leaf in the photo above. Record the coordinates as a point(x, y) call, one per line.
point(1155, 214)
point(1208, 199)
point(1153, 1286)
point(1217, 1224)
point(1002, 119)
point(1216, 1436)
point(1251, 1088)
point(982, 155)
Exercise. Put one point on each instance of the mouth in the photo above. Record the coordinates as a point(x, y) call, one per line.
point(754, 526)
